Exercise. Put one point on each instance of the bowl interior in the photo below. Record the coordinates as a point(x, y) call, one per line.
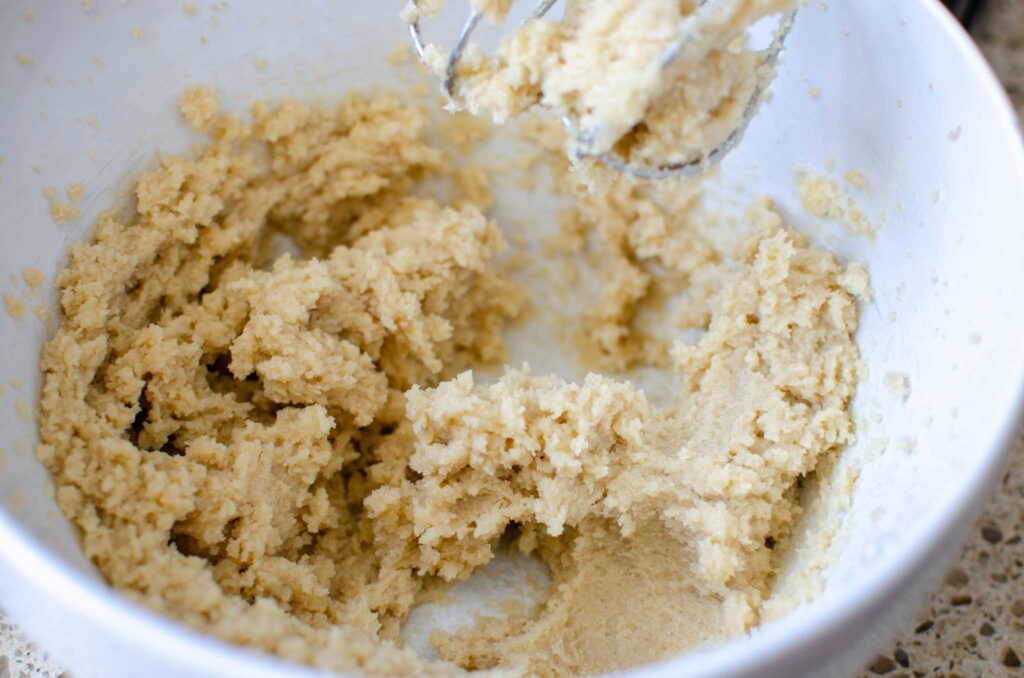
point(872, 86)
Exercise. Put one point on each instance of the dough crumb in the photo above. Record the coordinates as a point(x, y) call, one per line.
point(24, 59)
point(200, 106)
point(15, 305)
point(856, 281)
point(28, 15)
point(21, 409)
point(898, 384)
point(856, 179)
point(399, 55)
point(75, 192)
point(822, 197)
point(189, 8)
point(138, 32)
point(34, 279)
point(87, 4)
point(62, 212)
point(954, 135)
point(260, 63)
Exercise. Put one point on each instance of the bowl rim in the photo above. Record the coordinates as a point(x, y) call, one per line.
point(807, 632)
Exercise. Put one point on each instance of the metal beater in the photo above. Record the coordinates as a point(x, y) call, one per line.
point(769, 57)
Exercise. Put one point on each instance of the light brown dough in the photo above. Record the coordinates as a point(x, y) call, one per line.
point(289, 452)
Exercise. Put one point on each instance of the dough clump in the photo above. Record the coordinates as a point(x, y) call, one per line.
point(261, 414)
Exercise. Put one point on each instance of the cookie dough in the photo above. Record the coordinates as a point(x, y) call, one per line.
point(646, 111)
point(260, 409)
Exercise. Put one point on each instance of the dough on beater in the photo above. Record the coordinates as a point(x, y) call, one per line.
point(645, 112)
point(289, 451)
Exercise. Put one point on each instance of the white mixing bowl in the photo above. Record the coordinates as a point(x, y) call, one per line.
point(895, 79)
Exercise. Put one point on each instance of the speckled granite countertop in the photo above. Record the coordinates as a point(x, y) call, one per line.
point(972, 626)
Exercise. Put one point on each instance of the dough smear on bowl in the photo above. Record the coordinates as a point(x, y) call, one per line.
point(289, 451)
point(602, 66)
